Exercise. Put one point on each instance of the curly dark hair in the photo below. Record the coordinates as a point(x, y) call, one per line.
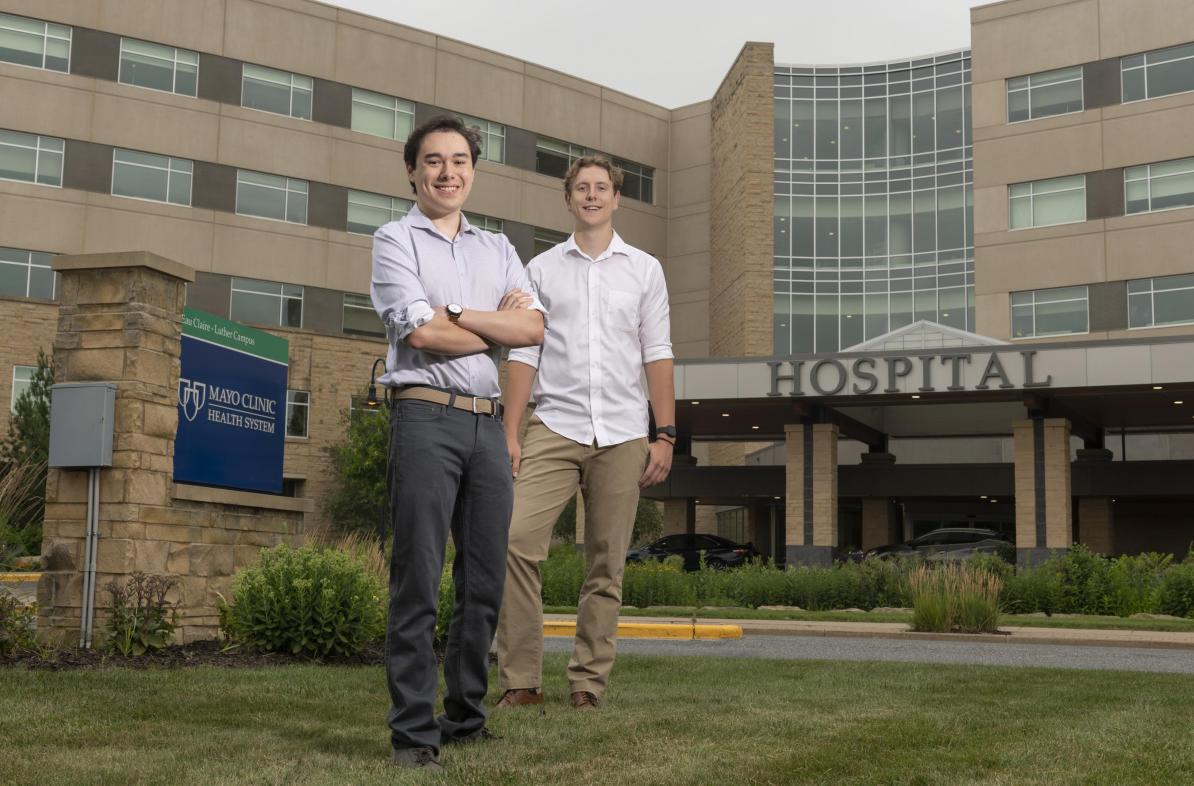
point(440, 123)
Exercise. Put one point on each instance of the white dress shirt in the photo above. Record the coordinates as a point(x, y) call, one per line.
point(415, 268)
point(609, 317)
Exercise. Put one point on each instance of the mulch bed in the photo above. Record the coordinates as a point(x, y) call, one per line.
point(199, 653)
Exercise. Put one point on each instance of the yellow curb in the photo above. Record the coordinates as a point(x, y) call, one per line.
point(653, 630)
point(18, 578)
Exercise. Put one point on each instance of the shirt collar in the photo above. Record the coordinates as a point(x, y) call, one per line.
point(616, 246)
point(416, 218)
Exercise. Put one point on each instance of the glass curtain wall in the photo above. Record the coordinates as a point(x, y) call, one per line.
point(873, 220)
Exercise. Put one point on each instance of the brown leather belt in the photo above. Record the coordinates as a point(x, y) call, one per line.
point(474, 404)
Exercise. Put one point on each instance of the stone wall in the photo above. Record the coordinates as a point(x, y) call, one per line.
point(120, 322)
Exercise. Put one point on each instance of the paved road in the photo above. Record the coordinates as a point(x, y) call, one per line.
point(1177, 661)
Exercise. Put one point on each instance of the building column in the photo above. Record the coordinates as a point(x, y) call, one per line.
point(1096, 516)
point(679, 516)
point(879, 524)
point(1044, 516)
point(811, 483)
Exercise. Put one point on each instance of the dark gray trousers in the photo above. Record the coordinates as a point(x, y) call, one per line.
point(449, 470)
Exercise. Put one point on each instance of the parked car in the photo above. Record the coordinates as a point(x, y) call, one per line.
point(949, 543)
point(718, 552)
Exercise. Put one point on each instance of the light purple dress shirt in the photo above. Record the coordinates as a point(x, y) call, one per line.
point(416, 268)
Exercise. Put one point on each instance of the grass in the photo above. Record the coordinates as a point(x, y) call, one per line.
point(1083, 621)
point(666, 721)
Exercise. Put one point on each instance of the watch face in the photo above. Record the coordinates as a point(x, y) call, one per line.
point(454, 309)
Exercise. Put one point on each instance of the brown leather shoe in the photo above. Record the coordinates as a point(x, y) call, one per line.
point(519, 697)
point(584, 700)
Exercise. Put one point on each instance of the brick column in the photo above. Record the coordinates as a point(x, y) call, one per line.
point(811, 483)
point(1044, 516)
point(878, 522)
point(679, 516)
point(118, 322)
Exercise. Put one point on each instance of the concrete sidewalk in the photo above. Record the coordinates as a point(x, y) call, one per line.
point(890, 630)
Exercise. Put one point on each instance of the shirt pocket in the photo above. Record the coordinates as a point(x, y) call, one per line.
point(621, 310)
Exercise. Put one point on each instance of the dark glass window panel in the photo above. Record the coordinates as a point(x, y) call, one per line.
point(548, 162)
point(852, 324)
point(850, 240)
point(254, 307)
point(782, 325)
point(901, 309)
point(1172, 190)
point(14, 279)
point(900, 126)
point(876, 128)
point(826, 237)
point(1057, 99)
point(827, 127)
point(301, 104)
point(1171, 77)
point(266, 96)
point(23, 48)
point(827, 324)
point(144, 71)
point(1173, 306)
point(802, 227)
point(922, 123)
point(41, 281)
point(851, 129)
point(1133, 85)
point(781, 229)
point(952, 307)
point(293, 312)
point(949, 118)
point(802, 324)
point(1140, 310)
point(362, 321)
point(1060, 318)
point(876, 315)
point(632, 185)
point(782, 129)
point(951, 218)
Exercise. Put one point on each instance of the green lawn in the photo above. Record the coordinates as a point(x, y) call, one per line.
point(1005, 620)
point(666, 721)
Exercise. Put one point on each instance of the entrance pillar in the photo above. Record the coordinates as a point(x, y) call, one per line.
point(679, 516)
point(1044, 516)
point(811, 487)
point(1096, 516)
point(878, 522)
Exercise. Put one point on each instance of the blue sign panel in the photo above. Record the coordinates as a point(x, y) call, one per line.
point(231, 405)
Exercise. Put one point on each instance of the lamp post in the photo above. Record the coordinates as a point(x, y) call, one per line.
point(371, 398)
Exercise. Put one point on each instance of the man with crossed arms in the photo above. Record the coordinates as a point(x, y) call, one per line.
point(609, 324)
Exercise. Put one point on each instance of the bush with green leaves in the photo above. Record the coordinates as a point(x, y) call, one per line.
point(140, 618)
point(17, 624)
point(23, 456)
point(1176, 593)
point(1085, 578)
point(954, 597)
point(657, 584)
point(319, 603)
point(562, 574)
point(358, 497)
point(1135, 582)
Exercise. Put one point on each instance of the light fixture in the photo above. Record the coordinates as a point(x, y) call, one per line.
point(994, 500)
point(1158, 387)
point(1179, 401)
point(756, 428)
point(982, 496)
point(695, 403)
point(371, 398)
point(725, 414)
point(914, 395)
point(775, 497)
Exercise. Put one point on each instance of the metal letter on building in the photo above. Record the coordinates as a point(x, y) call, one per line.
point(231, 405)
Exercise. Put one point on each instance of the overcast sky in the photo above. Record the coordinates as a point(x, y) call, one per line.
point(661, 51)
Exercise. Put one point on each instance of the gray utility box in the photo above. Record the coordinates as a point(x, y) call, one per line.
point(81, 419)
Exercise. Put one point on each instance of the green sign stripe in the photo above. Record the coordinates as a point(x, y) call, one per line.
point(225, 333)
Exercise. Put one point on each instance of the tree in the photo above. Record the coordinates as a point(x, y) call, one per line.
point(358, 499)
point(23, 456)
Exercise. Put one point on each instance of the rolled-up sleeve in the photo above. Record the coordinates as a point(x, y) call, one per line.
point(526, 279)
point(655, 327)
point(397, 293)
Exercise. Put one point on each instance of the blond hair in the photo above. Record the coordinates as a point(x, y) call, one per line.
point(598, 160)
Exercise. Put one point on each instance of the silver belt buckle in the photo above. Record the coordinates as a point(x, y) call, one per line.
point(475, 405)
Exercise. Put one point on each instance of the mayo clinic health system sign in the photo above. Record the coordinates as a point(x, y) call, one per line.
point(231, 405)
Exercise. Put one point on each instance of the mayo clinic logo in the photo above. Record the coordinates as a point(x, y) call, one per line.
point(192, 395)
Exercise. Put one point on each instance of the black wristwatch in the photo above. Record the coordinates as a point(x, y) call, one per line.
point(454, 311)
point(667, 431)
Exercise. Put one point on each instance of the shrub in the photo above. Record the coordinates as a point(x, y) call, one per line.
point(315, 602)
point(657, 584)
point(1176, 592)
point(17, 624)
point(140, 618)
point(443, 608)
point(1135, 582)
point(1032, 590)
point(1085, 582)
point(22, 486)
point(562, 573)
point(954, 596)
point(358, 498)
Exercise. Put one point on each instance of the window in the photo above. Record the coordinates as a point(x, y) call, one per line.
point(382, 115)
point(26, 274)
point(368, 212)
point(488, 223)
point(359, 316)
point(153, 177)
point(298, 406)
point(1041, 95)
point(1043, 203)
point(22, 378)
point(159, 67)
point(553, 157)
point(1049, 312)
point(493, 138)
point(279, 92)
point(1153, 302)
point(1160, 73)
point(1162, 186)
point(266, 302)
point(638, 181)
point(546, 239)
point(31, 158)
point(271, 196)
point(31, 42)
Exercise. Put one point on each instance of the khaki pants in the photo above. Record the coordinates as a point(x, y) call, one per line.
point(551, 470)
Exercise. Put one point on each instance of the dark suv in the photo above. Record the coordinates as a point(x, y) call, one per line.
point(718, 552)
point(949, 543)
